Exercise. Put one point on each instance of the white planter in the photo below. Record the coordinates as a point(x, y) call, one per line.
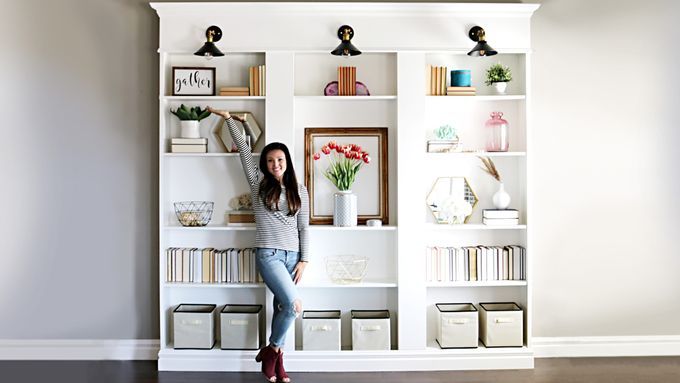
point(500, 87)
point(501, 199)
point(344, 208)
point(189, 129)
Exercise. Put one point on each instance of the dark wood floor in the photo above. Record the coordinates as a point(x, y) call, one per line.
point(599, 370)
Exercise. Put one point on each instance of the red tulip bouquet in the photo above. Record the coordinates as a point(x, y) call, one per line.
point(345, 162)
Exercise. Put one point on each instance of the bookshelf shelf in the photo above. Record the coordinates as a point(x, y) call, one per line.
point(214, 285)
point(331, 285)
point(475, 154)
point(344, 98)
point(212, 98)
point(331, 228)
point(204, 154)
point(472, 226)
point(210, 228)
point(397, 77)
point(479, 98)
point(477, 284)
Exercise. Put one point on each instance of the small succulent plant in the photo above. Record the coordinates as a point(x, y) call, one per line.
point(498, 73)
point(186, 113)
point(445, 132)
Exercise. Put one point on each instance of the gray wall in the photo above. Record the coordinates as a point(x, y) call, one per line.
point(79, 169)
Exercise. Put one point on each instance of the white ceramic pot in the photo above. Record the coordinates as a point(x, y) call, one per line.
point(189, 129)
point(500, 87)
point(501, 199)
point(344, 208)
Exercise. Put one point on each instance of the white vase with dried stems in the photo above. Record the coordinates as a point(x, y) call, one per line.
point(500, 199)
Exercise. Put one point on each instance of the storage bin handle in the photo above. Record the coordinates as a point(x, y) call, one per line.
point(238, 322)
point(457, 321)
point(191, 322)
point(371, 328)
point(320, 328)
point(505, 320)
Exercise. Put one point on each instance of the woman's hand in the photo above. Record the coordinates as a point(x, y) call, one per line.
point(222, 113)
point(299, 269)
point(238, 117)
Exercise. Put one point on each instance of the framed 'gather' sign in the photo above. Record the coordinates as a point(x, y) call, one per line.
point(193, 81)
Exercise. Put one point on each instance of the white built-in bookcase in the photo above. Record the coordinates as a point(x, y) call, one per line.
point(399, 41)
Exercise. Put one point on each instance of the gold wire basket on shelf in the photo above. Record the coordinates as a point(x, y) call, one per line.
point(346, 269)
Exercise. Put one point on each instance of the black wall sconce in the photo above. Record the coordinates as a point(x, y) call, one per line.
point(477, 34)
point(209, 50)
point(345, 34)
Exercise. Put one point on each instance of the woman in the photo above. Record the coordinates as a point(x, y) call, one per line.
point(281, 208)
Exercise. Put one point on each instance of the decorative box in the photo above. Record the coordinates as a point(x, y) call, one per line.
point(370, 330)
point(194, 326)
point(501, 324)
point(321, 330)
point(442, 146)
point(241, 327)
point(457, 325)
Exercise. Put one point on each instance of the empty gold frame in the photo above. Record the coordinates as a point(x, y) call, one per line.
point(223, 139)
point(448, 190)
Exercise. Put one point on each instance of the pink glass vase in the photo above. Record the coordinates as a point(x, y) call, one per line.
point(497, 133)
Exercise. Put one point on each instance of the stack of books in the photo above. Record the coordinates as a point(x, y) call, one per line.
point(257, 80)
point(189, 145)
point(347, 81)
point(500, 217)
point(234, 91)
point(461, 91)
point(437, 80)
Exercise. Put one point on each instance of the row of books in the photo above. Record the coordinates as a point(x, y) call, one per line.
point(500, 217)
point(188, 145)
point(475, 263)
point(438, 84)
point(257, 80)
point(209, 265)
point(347, 81)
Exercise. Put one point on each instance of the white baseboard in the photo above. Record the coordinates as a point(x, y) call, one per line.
point(605, 346)
point(147, 349)
point(79, 349)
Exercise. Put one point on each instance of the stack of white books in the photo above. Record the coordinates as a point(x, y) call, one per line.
point(189, 145)
point(500, 217)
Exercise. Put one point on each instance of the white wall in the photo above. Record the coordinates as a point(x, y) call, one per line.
point(79, 167)
point(606, 168)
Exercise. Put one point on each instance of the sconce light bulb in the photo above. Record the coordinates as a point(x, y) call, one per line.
point(208, 56)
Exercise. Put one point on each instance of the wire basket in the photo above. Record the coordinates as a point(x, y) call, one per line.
point(346, 269)
point(194, 213)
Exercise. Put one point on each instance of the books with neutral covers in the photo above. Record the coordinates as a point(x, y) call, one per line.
point(500, 213)
point(500, 221)
point(189, 148)
point(241, 218)
point(475, 263)
point(189, 141)
point(209, 265)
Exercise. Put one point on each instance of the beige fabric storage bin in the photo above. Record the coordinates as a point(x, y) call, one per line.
point(501, 324)
point(194, 326)
point(321, 330)
point(241, 327)
point(457, 325)
point(370, 330)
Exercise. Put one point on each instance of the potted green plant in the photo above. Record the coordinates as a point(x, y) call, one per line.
point(498, 75)
point(189, 118)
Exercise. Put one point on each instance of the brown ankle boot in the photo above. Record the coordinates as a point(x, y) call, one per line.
point(280, 371)
point(269, 359)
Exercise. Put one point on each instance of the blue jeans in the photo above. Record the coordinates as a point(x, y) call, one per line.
point(276, 267)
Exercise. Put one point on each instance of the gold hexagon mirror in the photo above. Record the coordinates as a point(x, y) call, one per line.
point(452, 200)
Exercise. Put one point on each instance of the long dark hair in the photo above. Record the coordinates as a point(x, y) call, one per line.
point(270, 188)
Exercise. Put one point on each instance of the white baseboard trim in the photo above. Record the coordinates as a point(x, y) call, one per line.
point(79, 349)
point(605, 346)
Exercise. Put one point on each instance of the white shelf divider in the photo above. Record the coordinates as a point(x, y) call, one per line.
point(477, 284)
